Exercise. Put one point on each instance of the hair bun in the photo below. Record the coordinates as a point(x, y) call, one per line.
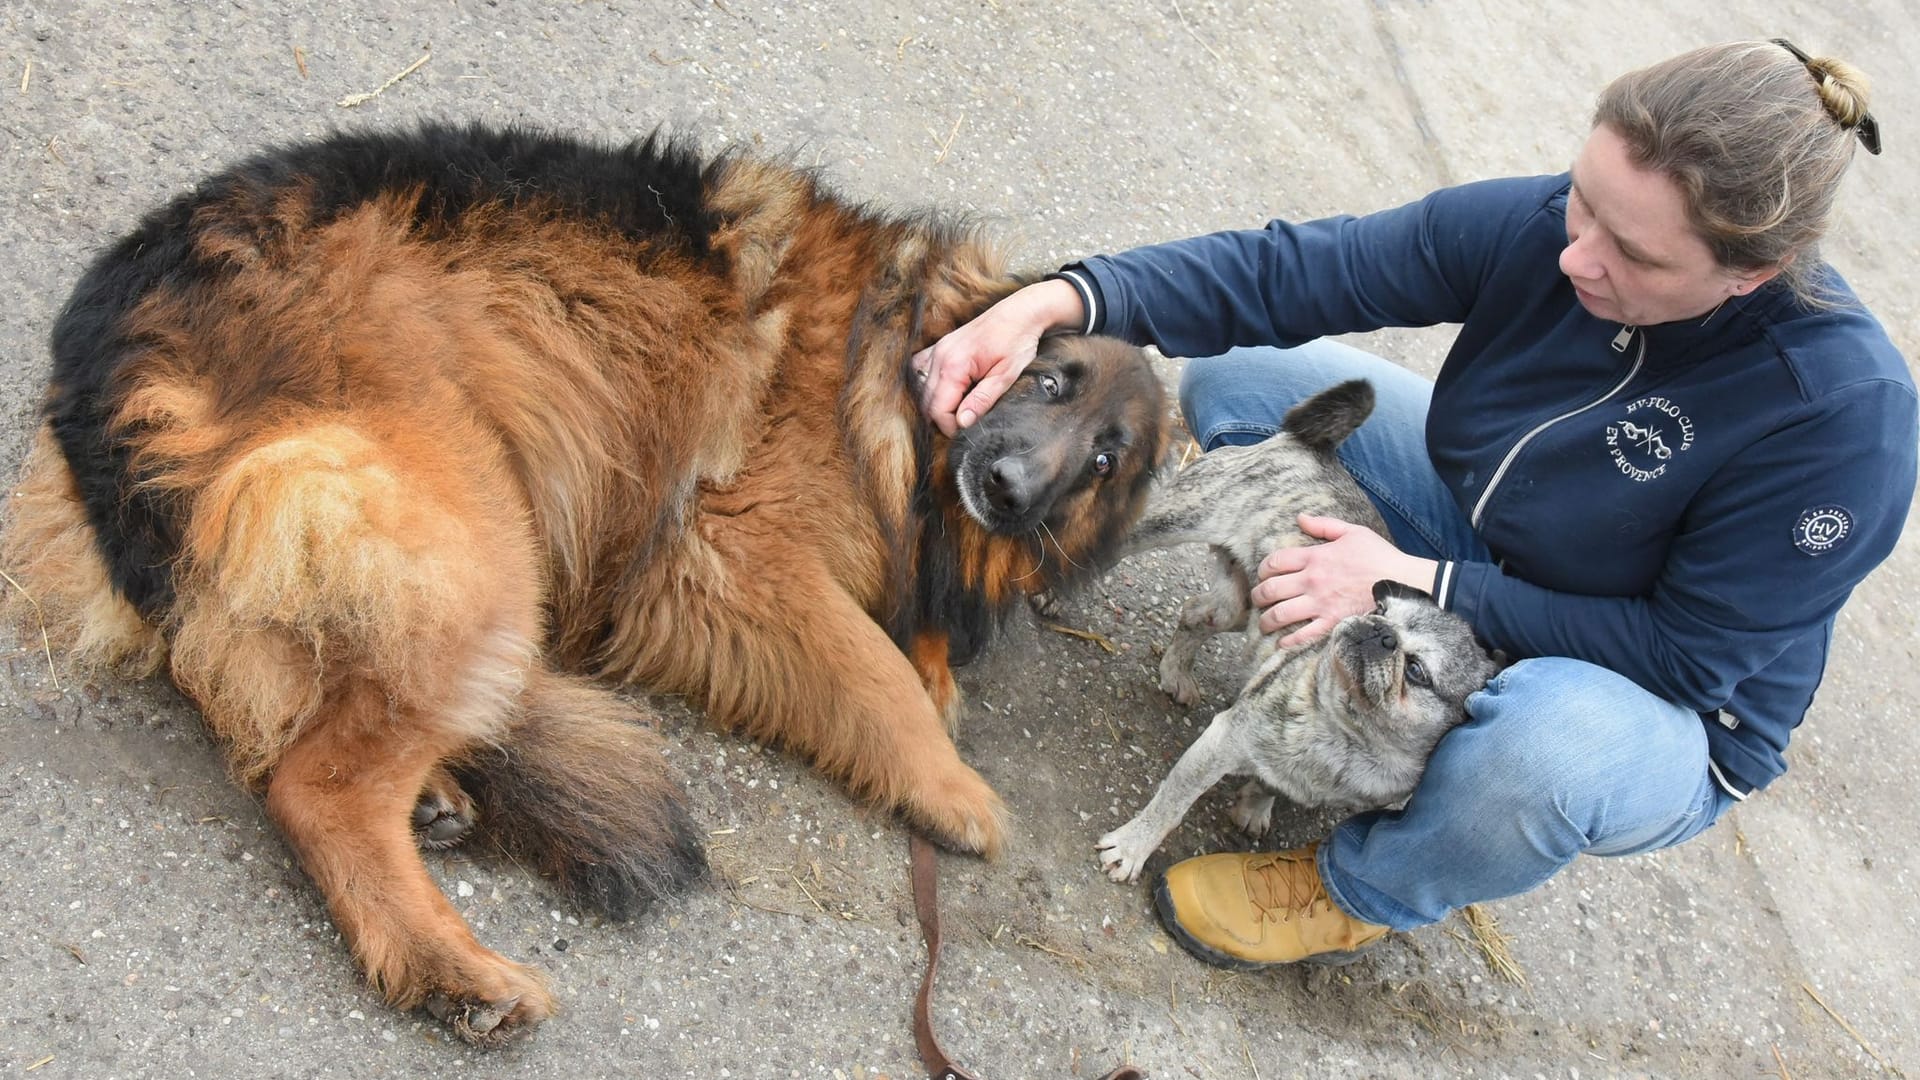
point(1843, 89)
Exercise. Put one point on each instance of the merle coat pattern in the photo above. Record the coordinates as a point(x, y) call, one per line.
point(1346, 720)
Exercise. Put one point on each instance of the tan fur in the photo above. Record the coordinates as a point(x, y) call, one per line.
point(47, 547)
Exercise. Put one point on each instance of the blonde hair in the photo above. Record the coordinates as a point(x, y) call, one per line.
point(1757, 140)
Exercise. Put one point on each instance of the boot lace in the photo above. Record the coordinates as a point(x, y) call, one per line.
point(1285, 885)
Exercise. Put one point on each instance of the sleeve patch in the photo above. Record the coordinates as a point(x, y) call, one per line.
point(1821, 529)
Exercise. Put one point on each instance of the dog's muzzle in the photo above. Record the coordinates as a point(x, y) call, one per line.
point(1376, 640)
point(1010, 487)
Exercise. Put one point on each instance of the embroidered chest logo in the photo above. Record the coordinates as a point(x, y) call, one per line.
point(1653, 432)
point(1822, 528)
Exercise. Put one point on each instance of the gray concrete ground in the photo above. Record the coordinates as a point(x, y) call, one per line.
point(154, 926)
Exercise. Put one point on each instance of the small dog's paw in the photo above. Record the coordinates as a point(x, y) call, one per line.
point(1045, 603)
point(1123, 853)
point(1253, 810)
point(1179, 684)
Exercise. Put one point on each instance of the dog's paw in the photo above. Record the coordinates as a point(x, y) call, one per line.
point(1177, 680)
point(1123, 853)
point(443, 817)
point(1253, 810)
point(494, 1020)
point(963, 813)
point(1044, 603)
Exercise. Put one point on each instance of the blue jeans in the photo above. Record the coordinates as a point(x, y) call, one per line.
point(1557, 757)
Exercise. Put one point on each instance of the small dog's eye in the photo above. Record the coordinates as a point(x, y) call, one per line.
point(1417, 672)
point(1051, 385)
point(1102, 463)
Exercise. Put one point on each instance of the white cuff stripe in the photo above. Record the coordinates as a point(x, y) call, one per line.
point(1445, 590)
point(1086, 297)
point(1726, 785)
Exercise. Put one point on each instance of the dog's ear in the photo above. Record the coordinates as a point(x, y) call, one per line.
point(1182, 448)
point(1387, 587)
point(1500, 659)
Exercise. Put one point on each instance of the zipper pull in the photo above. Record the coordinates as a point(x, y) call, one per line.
point(1622, 339)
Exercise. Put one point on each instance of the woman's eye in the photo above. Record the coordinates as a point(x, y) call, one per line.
point(1102, 463)
point(1417, 672)
point(1051, 385)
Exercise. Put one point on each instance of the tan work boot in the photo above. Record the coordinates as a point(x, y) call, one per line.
point(1251, 910)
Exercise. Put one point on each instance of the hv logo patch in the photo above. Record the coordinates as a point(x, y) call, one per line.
point(1822, 528)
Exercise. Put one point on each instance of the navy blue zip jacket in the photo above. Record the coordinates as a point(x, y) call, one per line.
point(1686, 504)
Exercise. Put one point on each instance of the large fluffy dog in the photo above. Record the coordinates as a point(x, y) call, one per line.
point(379, 444)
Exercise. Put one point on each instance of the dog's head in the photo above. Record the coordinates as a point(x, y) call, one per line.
point(1069, 449)
point(1407, 667)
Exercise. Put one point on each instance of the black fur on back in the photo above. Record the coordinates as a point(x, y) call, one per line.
point(651, 189)
point(1323, 421)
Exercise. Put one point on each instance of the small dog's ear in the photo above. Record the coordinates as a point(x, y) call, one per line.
point(1182, 448)
point(1500, 659)
point(1387, 587)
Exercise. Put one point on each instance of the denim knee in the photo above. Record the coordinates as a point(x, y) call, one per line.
point(1225, 399)
point(1567, 724)
point(1558, 757)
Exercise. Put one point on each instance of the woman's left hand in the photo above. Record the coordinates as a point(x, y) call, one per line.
point(1320, 584)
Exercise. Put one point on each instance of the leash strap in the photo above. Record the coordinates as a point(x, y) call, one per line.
point(926, 905)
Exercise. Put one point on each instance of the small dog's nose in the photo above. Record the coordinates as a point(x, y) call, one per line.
point(1009, 485)
point(1383, 641)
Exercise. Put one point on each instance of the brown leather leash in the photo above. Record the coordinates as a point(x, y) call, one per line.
point(926, 905)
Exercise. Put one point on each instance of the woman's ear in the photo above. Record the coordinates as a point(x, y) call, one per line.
point(1752, 279)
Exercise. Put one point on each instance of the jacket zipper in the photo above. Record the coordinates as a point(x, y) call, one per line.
point(1620, 341)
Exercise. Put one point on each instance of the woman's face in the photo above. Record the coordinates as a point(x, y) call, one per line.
point(1631, 255)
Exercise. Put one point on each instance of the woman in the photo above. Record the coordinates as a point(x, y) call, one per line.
point(1666, 445)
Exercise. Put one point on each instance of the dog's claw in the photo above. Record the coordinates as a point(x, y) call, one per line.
point(481, 1023)
point(1044, 603)
point(1120, 871)
point(487, 1017)
point(1176, 678)
point(1252, 811)
point(1120, 859)
point(1185, 692)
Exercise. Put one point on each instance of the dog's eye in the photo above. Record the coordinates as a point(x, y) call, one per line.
point(1417, 672)
point(1051, 385)
point(1102, 463)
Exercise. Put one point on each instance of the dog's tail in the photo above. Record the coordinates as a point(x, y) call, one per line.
point(1323, 421)
point(579, 790)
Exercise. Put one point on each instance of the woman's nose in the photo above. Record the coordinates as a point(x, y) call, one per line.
point(1577, 260)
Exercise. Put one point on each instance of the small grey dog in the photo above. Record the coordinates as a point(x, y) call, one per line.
point(1346, 720)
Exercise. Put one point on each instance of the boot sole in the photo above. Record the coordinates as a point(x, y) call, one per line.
point(1163, 907)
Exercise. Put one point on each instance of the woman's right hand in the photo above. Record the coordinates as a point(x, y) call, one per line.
point(965, 372)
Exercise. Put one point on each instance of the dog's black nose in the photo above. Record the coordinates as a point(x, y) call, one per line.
point(1009, 486)
point(1382, 641)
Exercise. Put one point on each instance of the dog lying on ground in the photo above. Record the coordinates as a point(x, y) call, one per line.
point(383, 445)
point(1347, 720)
